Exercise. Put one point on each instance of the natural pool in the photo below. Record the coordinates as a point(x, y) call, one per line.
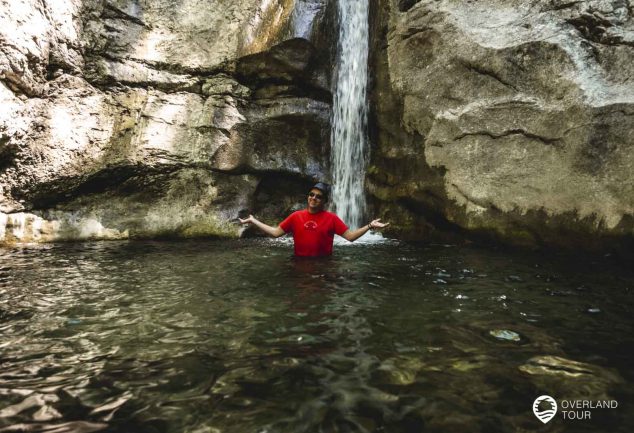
point(238, 336)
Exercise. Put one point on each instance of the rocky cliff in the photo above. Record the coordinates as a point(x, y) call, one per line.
point(513, 121)
point(144, 118)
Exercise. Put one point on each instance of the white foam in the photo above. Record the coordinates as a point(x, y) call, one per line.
point(369, 238)
point(3, 225)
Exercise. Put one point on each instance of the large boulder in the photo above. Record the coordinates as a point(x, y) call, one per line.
point(125, 118)
point(504, 119)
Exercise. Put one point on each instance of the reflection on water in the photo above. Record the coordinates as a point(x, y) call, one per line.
point(238, 336)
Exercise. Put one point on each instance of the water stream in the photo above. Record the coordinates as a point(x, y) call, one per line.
point(350, 112)
point(239, 336)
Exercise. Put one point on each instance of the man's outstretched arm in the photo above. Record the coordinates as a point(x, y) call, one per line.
point(353, 235)
point(276, 232)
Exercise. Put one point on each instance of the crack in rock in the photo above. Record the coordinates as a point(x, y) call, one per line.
point(508, 133)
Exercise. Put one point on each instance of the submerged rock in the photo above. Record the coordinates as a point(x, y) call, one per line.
point(505, 335)
point(401, 370)
point(566, 377)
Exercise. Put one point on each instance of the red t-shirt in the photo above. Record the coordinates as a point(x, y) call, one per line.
point(313, 233)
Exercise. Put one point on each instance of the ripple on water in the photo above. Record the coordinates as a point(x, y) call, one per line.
point(237, 336)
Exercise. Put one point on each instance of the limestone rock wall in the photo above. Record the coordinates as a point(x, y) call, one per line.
point(125, 118)
point(504, 119)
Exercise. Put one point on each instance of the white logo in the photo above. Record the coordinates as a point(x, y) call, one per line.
point(550, 405)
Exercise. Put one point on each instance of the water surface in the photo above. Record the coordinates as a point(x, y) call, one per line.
point(238, 336)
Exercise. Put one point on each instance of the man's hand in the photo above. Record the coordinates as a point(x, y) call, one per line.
point(247, 220)
point(276, 232)
point(377, 224)
point(353, 235)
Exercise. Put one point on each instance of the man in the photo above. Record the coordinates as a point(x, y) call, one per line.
point(314, 228)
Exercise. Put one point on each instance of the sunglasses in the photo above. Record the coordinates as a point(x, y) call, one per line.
point(315, 196)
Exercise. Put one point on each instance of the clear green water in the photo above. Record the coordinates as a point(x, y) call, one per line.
point(238, 336)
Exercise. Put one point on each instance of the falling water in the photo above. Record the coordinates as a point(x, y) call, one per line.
point(350, 112)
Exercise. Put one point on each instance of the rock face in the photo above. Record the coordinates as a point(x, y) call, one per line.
point(511, 120)
point(143, 118)
point(128, 118)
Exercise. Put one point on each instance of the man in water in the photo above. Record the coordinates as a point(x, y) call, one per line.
point(314, 228)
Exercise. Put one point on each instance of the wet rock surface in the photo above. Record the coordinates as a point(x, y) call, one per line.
point(116, 112)
point(511, 122)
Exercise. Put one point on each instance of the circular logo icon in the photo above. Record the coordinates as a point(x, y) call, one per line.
point(544, 408)
point(310, 225)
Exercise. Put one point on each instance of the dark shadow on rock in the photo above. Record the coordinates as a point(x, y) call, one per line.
point(292, 64)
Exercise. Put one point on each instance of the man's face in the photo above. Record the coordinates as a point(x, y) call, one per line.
point(316, 199)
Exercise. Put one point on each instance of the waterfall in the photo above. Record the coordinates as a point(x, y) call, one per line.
point(350, 112)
